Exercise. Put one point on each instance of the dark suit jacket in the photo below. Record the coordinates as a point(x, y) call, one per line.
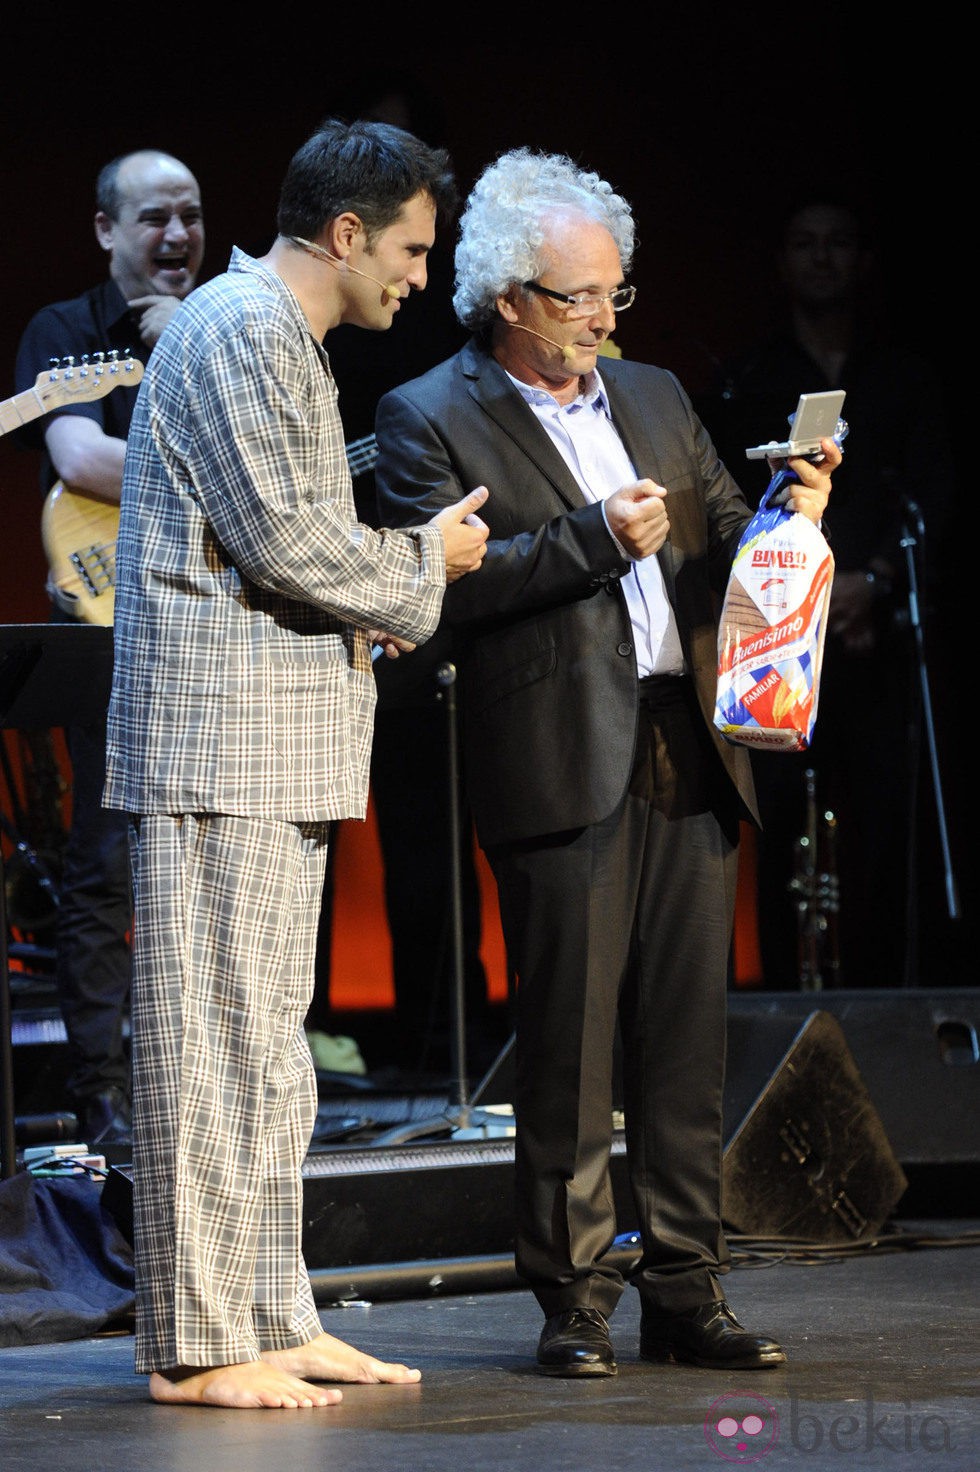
point(547, 671)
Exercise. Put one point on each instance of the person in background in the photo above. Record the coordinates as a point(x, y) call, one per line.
point(607, 804)
point(861, 901)
point(149, 221)
point(249, 599)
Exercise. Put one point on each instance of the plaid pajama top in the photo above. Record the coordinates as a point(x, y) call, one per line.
point(242, 678)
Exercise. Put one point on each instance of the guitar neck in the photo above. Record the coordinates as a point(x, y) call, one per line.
point(81, 383)
point(21, 409)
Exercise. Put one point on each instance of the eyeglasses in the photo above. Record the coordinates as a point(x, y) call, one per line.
point(585, 305)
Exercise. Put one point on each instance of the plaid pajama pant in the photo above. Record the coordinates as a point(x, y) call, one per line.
point(224, 1092)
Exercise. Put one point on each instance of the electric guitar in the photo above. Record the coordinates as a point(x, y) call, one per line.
point(79, 533)
point(71, 383)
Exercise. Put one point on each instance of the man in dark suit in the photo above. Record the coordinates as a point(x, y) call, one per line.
point(607, 804)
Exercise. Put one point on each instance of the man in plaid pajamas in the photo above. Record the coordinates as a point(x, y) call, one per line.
point(247, 603)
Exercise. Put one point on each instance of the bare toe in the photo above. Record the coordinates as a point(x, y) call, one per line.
point(253, 1385)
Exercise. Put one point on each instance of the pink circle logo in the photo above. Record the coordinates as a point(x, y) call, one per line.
point(741, 1428)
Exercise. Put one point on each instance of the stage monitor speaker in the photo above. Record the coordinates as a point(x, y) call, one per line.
point(918, 1052)
point(806, 1153)
point(809, 1158)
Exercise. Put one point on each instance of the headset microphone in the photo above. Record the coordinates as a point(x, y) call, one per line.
point(386, 286)
point(318, 250)
point(568, 353)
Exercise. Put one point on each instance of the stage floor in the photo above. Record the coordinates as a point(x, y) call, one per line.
point(884, 1351)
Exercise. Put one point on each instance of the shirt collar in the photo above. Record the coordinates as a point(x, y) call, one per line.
point(241, 261)
point(593, 392)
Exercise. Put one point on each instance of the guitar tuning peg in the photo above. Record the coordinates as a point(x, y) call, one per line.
point(69, 363)
point(99, 357)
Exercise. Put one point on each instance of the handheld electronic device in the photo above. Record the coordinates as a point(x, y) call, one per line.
point(817, 418)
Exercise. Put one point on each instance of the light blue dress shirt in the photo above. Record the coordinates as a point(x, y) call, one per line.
point(587, 440)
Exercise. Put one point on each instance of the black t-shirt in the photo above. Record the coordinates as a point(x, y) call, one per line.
point(98, 321)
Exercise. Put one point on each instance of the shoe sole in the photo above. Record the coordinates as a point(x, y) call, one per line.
point(666, 1355)
point(579, 1371)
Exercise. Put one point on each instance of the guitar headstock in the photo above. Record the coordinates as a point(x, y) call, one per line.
point(92, 377)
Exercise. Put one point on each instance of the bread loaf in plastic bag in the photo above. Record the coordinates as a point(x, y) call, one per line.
point(772, 630)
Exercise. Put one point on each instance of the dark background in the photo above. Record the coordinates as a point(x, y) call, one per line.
point(707, 121)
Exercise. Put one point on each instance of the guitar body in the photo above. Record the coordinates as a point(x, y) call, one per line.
point(79, 536)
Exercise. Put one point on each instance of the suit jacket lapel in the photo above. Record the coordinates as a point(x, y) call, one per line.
point(491, 388)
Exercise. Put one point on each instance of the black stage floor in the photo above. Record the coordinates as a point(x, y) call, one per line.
point(882, 1374)
point(840, 1110)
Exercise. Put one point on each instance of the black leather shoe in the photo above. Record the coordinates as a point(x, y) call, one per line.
point(709, 1336)
point(576, 1343)
point(107, 1118)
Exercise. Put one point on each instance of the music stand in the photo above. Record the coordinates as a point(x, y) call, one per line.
point(50, 675)
point(460, 1113)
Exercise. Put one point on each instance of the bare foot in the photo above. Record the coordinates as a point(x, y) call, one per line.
point(253, 1385)
point(327, 1358)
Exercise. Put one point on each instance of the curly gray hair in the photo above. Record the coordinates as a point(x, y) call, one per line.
point(504, 225)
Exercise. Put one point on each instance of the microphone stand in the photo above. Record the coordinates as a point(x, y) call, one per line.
point(909, 541)
point(460, 1114)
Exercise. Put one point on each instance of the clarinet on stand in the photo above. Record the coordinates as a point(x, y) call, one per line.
point(817, 893)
